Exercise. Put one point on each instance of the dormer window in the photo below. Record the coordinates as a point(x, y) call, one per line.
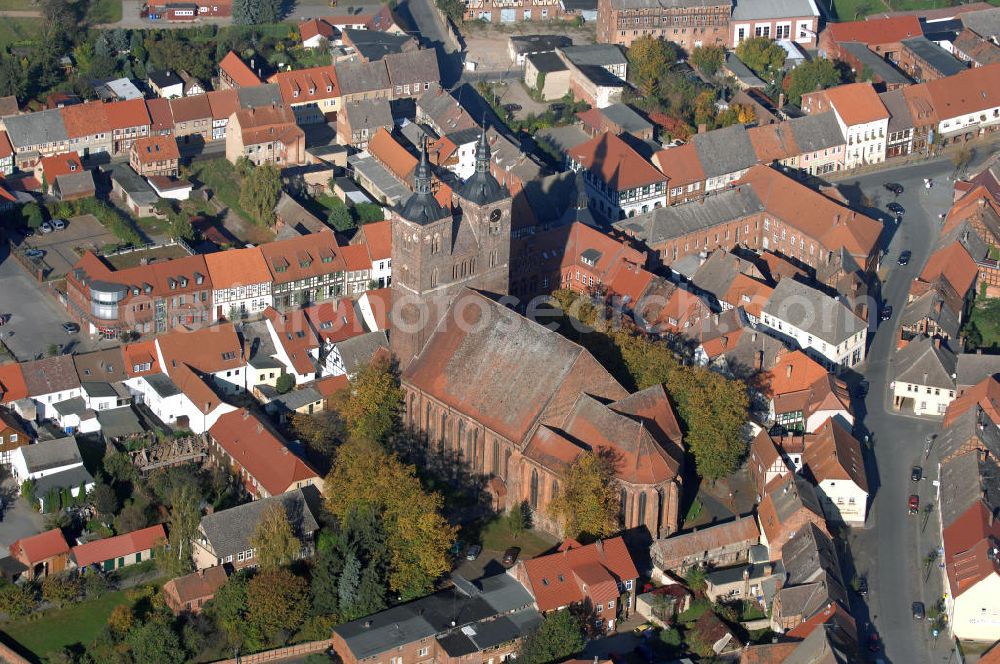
point(229, 355)
point(327, 259)
point(280, 268)
point(329, 88)
point(199, 278)
point(172, 283)
point(135, 291)
point(184, 282)
point(295, 93)
point(312, 91)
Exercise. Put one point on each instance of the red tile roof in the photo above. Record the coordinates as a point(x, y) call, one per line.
point(296, 337)
point(40, 547)
point(85, 119)
point(188, 109)
point(143, 352)
point(335, 321)
point(985, 394)
point(389, 152)
point(6, 149)
point(614, 162)
point(237, 267)
point(301, 86)
point(98, 551)
point(356, 257)
point(557, 580)
point(12, 385)
point(126, 114)
point(681, 165)
point(207, 349)
point(876, 31)
point(223, 103)
point(794, 371)
point(969, 91)
point(238, 71)
point(150, 149)
point(953, 263)
point(834, 454)
point(260, 451)
point(160, 117)
point(316, 26)
point(968, 543)
point(377, 237)
point(331, 385)
point(856, 103)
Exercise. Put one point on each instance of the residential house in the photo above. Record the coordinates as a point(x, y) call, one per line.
point(53, 466)
point(359, 120)
point(600, 576)
point(923, 60)
point(129, 120)
point(12, 436)
point(965, 105)
point(235, 74)
point(862, 117)
point(375, 45)
point(87, 128)
point(520, 47)
point(495, 11)
point(317, 33)
point(112, 553)
point(133, 192)
point(34, 135)
point(362, 81)
point(821, 143)
point(6, 155)
point(596, 73)
point(716, 545)
point(213, 351)
point(767, 461)
point(304, 270)
point(899, 138)
point(464, 622)
point(313, 94)
point(161, 119)
point(547, 74)
point(620, 182)
point(412, 74)
point(262, 460)
point(969, 47)
point(793, 20)
point(688, 24)
point(190, 593)
point(192, 86)
point(834, 462)
point(617, 119)
point(192, 119)
point(883, 36)
point(146, 299)
point(349, 356)
point(377, 239)
point(223, 104)
point(813, 582)
point(804, 410)
point(263, 135)
point(65, 177)
point(155, 155)
point(51, 380)
point(292, 219)
point(43, 554)
point(756, 582)
point(818, 324)
point(165, 84)
point(241, 282)
point(971, 537)
point(789, 504)
point(296, 344)
point(224, 537)
point(924, 381)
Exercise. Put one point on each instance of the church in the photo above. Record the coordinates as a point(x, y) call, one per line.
point(516, 401)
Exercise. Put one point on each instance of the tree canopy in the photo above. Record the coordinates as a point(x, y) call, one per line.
point(366, 476)
point(708, 59)
point(256, 12)
point(560, 635)
point(273, 539)
point(648, 59)
point(259, 192)
point(761, 55)
point(373, 404)
point(588, 499)
point(276, 602)
point(809, 76)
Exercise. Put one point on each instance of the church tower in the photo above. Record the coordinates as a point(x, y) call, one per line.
point(436, 253)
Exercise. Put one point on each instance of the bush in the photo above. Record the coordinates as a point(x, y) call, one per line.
point(285, 383)
point(16, 601)
point(670, 637)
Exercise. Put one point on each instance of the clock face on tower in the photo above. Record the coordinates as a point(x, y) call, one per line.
point(495, 215)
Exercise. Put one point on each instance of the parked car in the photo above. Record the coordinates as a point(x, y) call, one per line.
point(917, 473)
point(894, 187)
point(863, 388)
point(457, 549)
point(918, 610)
point(873, 645)
point(904, 257)
point(914, 504)
point(510, 556)
point(886, 312)
point(895, 208)
point(473, 552)
point(512, 108)
point(34, 253)
point(863, 586)
point(58, 224)
point(46, 227)
point(70, 327)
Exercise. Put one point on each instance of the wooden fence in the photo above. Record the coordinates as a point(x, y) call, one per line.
point(279, 653)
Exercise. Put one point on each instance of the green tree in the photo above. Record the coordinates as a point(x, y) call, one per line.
point(256, 12)
point(155, 643)
point(118, 466)
point(133, 516)
point(259, 192)
point(453, 9)
point(371, 591)
point(340, 217)
point(16, 601)
point(347, 588)
point(323, 586)
point(33, 216)
point(273, 539)
point(696, 578)
point(648, 59)
point(285, 383)
point(708, 59)
point(180, 227)
point(373, 405)
point(809, 76)
point(321, 432)
point(588, 498)
point(28, 489)
point(761, 55)
point(60, 590)
point(368, 480)
point(560, 635)
point(12, 79)
point(229, 610)
point(185, 515)
point(277, 602)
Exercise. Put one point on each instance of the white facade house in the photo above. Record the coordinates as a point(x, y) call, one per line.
point(794, 20)
point(818, 324)
point(862, 117)
point(975, 613)
point(242, 299)
point(53, 466)
point(170, 404)
point(924, 383)
point(241, 282)
point(865, 141)
point(836, 465)
point(46, 402)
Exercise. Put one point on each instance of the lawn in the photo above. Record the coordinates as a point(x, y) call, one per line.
point(985, 319)
point(16, 30)
point(55, 629)
point(693, 512)
point(134, 258)
point(495, 536)
point(104, 11)
point(850, 10)
point(220, 176)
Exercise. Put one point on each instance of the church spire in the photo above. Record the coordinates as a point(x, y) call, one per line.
point(483, 153)
point(422, 177)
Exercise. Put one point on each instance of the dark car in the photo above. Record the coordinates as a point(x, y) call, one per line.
point(70, 328)
point(886, 312)
point(863, 586)
point(34, 253)
point(917, 473)
point(873, 645)
point(863, 388)
point(895, 208)
point(894, 187)
point(510, 556)
point(512, 108)
point(914, 504)
point(473, 552)
point(904, 257)
point(918, 610)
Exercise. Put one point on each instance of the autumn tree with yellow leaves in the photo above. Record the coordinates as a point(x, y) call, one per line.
point(588, 499)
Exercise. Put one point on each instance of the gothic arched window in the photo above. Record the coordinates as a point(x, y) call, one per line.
point(495, 468)
point(443, 434)
point(460, 439)
point(534, 489)
point(642, 508)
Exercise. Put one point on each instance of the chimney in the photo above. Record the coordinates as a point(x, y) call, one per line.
point(702, 128)
point(760, 358)
point(937, 342)
point(788, 371)
point(781, 100)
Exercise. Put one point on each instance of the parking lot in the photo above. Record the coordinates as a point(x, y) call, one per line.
point(64, 248)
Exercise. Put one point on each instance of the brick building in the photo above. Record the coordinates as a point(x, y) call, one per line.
point(688, 23)
point(512, 11)
point(155, 155)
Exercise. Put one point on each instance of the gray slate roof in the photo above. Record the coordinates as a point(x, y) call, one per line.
point(414, 67)
point(163, 385)
point(899, 111)
point(259, 95)
point(757, 9)
point(985, 22)
point(933, 306)
point(374, 45)
point(626, 118)
point(119, 422)
point(229, 531)
point(357, 351)
point(601, 55)
point(742, 73)
point(358, 77)
point(539, 43)
point(973, 368)
point(134, 184)
point(368, 113)
point(943, 61)
point(71, 184)
point(807, 554)
point(665, 223)
point(792, 494)
point(33, 129)
point(74, 406)
point(879, 66)
point(817, 132)
point(726, 150)
point(297, 398)
point(296, 216)
point(813, 312)
point(966, 479)
point(972, 425)
point(48, 454)
point(547, 62)
point(66, 479)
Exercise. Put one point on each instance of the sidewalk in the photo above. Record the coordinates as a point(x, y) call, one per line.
point(981, 147)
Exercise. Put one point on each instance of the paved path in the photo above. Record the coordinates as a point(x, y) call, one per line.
point(890, 549)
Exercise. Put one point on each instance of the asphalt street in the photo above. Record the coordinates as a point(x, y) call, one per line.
point(428, 22)
point(890, 549)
